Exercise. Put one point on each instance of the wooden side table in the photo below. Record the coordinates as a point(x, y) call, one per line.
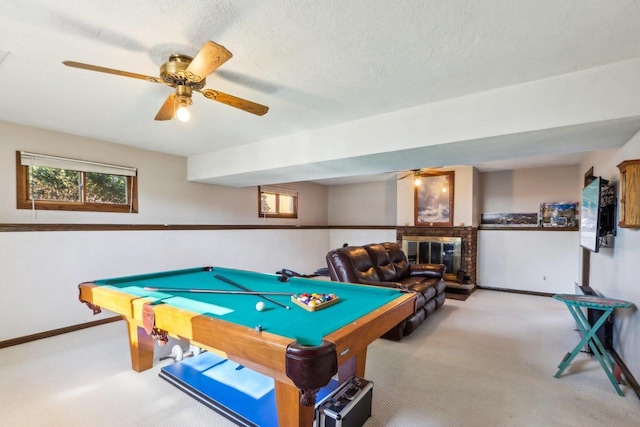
point(607, 305)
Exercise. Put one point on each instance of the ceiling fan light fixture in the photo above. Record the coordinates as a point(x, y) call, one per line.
point(416, 178)
point(183, 113)
point(183, 100)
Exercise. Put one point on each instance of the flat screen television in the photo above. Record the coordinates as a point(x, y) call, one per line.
point(590, 217)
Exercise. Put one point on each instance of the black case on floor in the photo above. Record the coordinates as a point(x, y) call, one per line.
point(348, 406)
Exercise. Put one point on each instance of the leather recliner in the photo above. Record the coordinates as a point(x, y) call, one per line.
point(385, 264)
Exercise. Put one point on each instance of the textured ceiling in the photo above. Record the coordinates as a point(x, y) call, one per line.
point(316, 64)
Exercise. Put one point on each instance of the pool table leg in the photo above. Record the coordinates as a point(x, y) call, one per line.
point(290, 412)
point(141, 346)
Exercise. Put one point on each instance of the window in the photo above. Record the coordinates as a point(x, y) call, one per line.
point(57, 183)
point(277, 202)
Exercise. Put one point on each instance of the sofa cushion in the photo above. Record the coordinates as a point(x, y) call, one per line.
point(351, 264)
point(429, 291)
point(420, 301)
point(398, 258)
point(382, 262)
point(439, 299)
point(412, 281)
point(430, 306)
point(435, 271)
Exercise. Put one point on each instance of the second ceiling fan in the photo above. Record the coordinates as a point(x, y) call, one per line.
point(416, 173)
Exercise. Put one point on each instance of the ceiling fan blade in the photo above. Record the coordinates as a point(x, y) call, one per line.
point(111, 71)
point(234, 101)
point(210, 57)
point(168, 109)
point(417, 172)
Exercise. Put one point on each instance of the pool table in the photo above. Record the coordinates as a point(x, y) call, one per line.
point(300, 349)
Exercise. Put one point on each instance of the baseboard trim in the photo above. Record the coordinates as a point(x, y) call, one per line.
point(517, 291)
point(59, 331)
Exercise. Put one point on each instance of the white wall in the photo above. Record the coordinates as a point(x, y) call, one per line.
point(541, 261)
point(371, 203)
point(614, 270)
point(523, 190)
point(391, 202)
point(165, 196)
point(359, 237)
point(464, 190)
point(40, 271)
point(477, 198)
point(405, 202)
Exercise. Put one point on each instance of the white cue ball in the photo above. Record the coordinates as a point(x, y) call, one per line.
point(259, 306)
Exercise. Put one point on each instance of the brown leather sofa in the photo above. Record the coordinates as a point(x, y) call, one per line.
point(385, 264)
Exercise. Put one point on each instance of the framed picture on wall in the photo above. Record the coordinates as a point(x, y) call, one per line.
point(433, 199)
point(559, 214)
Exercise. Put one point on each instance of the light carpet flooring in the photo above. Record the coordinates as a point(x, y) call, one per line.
point(486, 361)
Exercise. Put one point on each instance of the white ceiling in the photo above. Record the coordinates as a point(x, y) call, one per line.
point(318, 65)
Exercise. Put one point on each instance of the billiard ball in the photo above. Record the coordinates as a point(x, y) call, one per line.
point(259, 306)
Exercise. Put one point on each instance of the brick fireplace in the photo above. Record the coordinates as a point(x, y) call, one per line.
point(469, 250)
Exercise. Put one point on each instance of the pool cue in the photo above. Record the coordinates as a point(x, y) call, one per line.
point(214, 291)
point(239, 286)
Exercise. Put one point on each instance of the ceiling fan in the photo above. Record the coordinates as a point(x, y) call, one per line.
point(186, 75)
point(416, 173)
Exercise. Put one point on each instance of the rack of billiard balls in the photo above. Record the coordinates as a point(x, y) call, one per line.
point(314, 301)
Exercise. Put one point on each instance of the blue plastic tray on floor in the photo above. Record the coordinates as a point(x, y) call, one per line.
point(243, 396)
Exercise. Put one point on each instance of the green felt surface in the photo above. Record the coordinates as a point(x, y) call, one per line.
point(308, 328)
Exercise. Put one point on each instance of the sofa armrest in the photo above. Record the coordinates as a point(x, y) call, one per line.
point(427, 270)
point(393, 285)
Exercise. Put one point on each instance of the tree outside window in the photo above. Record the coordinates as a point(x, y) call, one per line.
point(75, 185)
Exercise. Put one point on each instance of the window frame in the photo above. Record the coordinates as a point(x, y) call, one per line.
point(277, 192)
point(24, 202)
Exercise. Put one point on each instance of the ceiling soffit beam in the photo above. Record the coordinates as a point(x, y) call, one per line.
point(592, 136)
point(595, 95)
